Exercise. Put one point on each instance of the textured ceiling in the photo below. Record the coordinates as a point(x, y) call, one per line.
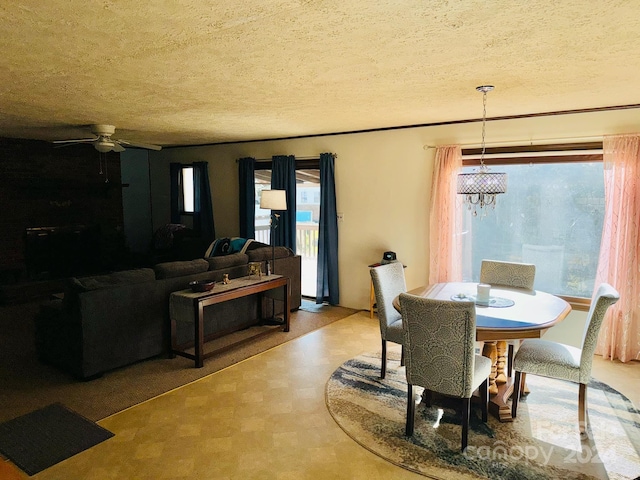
point(197, 71)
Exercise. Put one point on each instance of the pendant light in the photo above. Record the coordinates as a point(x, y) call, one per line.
point(481, 187)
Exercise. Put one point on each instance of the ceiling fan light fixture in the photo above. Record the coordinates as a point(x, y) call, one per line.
point(104, 146)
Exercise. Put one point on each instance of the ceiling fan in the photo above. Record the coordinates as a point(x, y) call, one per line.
point(103, 141)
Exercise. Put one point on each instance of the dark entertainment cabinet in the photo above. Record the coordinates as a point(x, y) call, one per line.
point(56, 252)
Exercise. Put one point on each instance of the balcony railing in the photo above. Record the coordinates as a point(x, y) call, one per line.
point(306, 247)
point(306, 239)
point(263, 234)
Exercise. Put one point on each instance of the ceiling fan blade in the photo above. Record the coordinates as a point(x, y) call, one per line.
point(117, 147)
point(148, 146)
point(79, 140)
point(69, 144)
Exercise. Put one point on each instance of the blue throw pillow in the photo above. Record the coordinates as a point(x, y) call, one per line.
point(237, 244)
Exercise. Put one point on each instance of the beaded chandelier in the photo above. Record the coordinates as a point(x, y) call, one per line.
point(481, 187)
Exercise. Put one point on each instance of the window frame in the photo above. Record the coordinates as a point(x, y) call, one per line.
point(181, 191)
point(540, 154)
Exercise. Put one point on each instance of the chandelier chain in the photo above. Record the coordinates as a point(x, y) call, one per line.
point(484, 124)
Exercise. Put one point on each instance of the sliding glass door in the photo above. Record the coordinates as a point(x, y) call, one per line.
point(307, 218)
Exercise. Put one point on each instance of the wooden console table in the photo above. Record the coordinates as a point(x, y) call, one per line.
point(188, 306)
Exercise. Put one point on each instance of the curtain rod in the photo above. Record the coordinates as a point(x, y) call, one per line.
point(567, 153)
point(335, 155)
point(530, 141)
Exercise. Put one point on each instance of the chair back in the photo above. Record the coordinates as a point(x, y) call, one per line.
point(439, 341)
point(605, 296)
point(508, 274)
point(388, 283)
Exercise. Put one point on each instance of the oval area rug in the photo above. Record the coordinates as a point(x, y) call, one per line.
point(542, 443)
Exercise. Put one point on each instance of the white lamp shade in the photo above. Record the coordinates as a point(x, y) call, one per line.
point(273, 200)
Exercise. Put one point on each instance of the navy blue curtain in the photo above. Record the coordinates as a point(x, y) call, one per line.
point(175, 170)
point(246, 178)
point(283, 177)
point(327, 287)
point(203, 207)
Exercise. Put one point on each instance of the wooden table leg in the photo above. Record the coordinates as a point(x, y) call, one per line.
point(501, 362)
point(174, 339)
point(490, 351)
point(287, 307)
point(500, 386)
point(199, 335)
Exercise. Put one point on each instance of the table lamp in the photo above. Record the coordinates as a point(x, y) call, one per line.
point(274, 200)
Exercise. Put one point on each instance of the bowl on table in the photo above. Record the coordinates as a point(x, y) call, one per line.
point(201, 285)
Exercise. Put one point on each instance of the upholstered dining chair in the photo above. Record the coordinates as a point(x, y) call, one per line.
point(388, 283)
point(439, 340)
point(508, 274)
point(565, 362)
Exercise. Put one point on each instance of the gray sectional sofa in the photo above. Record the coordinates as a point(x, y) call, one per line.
point(108, 321)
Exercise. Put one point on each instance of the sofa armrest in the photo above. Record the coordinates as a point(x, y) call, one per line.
point(292, 267)
point(55, 311)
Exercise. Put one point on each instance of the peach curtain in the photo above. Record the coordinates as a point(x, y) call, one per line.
point(619, 261)
point(445, 218)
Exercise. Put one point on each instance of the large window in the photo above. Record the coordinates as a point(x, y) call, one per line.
point(551, 216)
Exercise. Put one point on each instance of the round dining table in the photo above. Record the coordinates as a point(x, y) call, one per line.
point(511, 314)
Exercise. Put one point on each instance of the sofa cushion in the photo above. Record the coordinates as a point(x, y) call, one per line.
point(227, 261)
point(180, 269)
point(264, 253)
point(125, 277)
point(253, 244)
point(75, 285)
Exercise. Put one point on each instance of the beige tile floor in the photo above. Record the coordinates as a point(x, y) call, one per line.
point(264, 418)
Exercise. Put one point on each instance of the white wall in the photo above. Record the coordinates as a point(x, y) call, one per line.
point(383, 184)
point(382, 188)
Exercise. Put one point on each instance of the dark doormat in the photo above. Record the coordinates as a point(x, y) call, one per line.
point(44, 437)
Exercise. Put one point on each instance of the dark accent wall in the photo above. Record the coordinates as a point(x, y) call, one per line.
point(43, 186)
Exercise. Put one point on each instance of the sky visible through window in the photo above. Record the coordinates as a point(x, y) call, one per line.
point(187, 189)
